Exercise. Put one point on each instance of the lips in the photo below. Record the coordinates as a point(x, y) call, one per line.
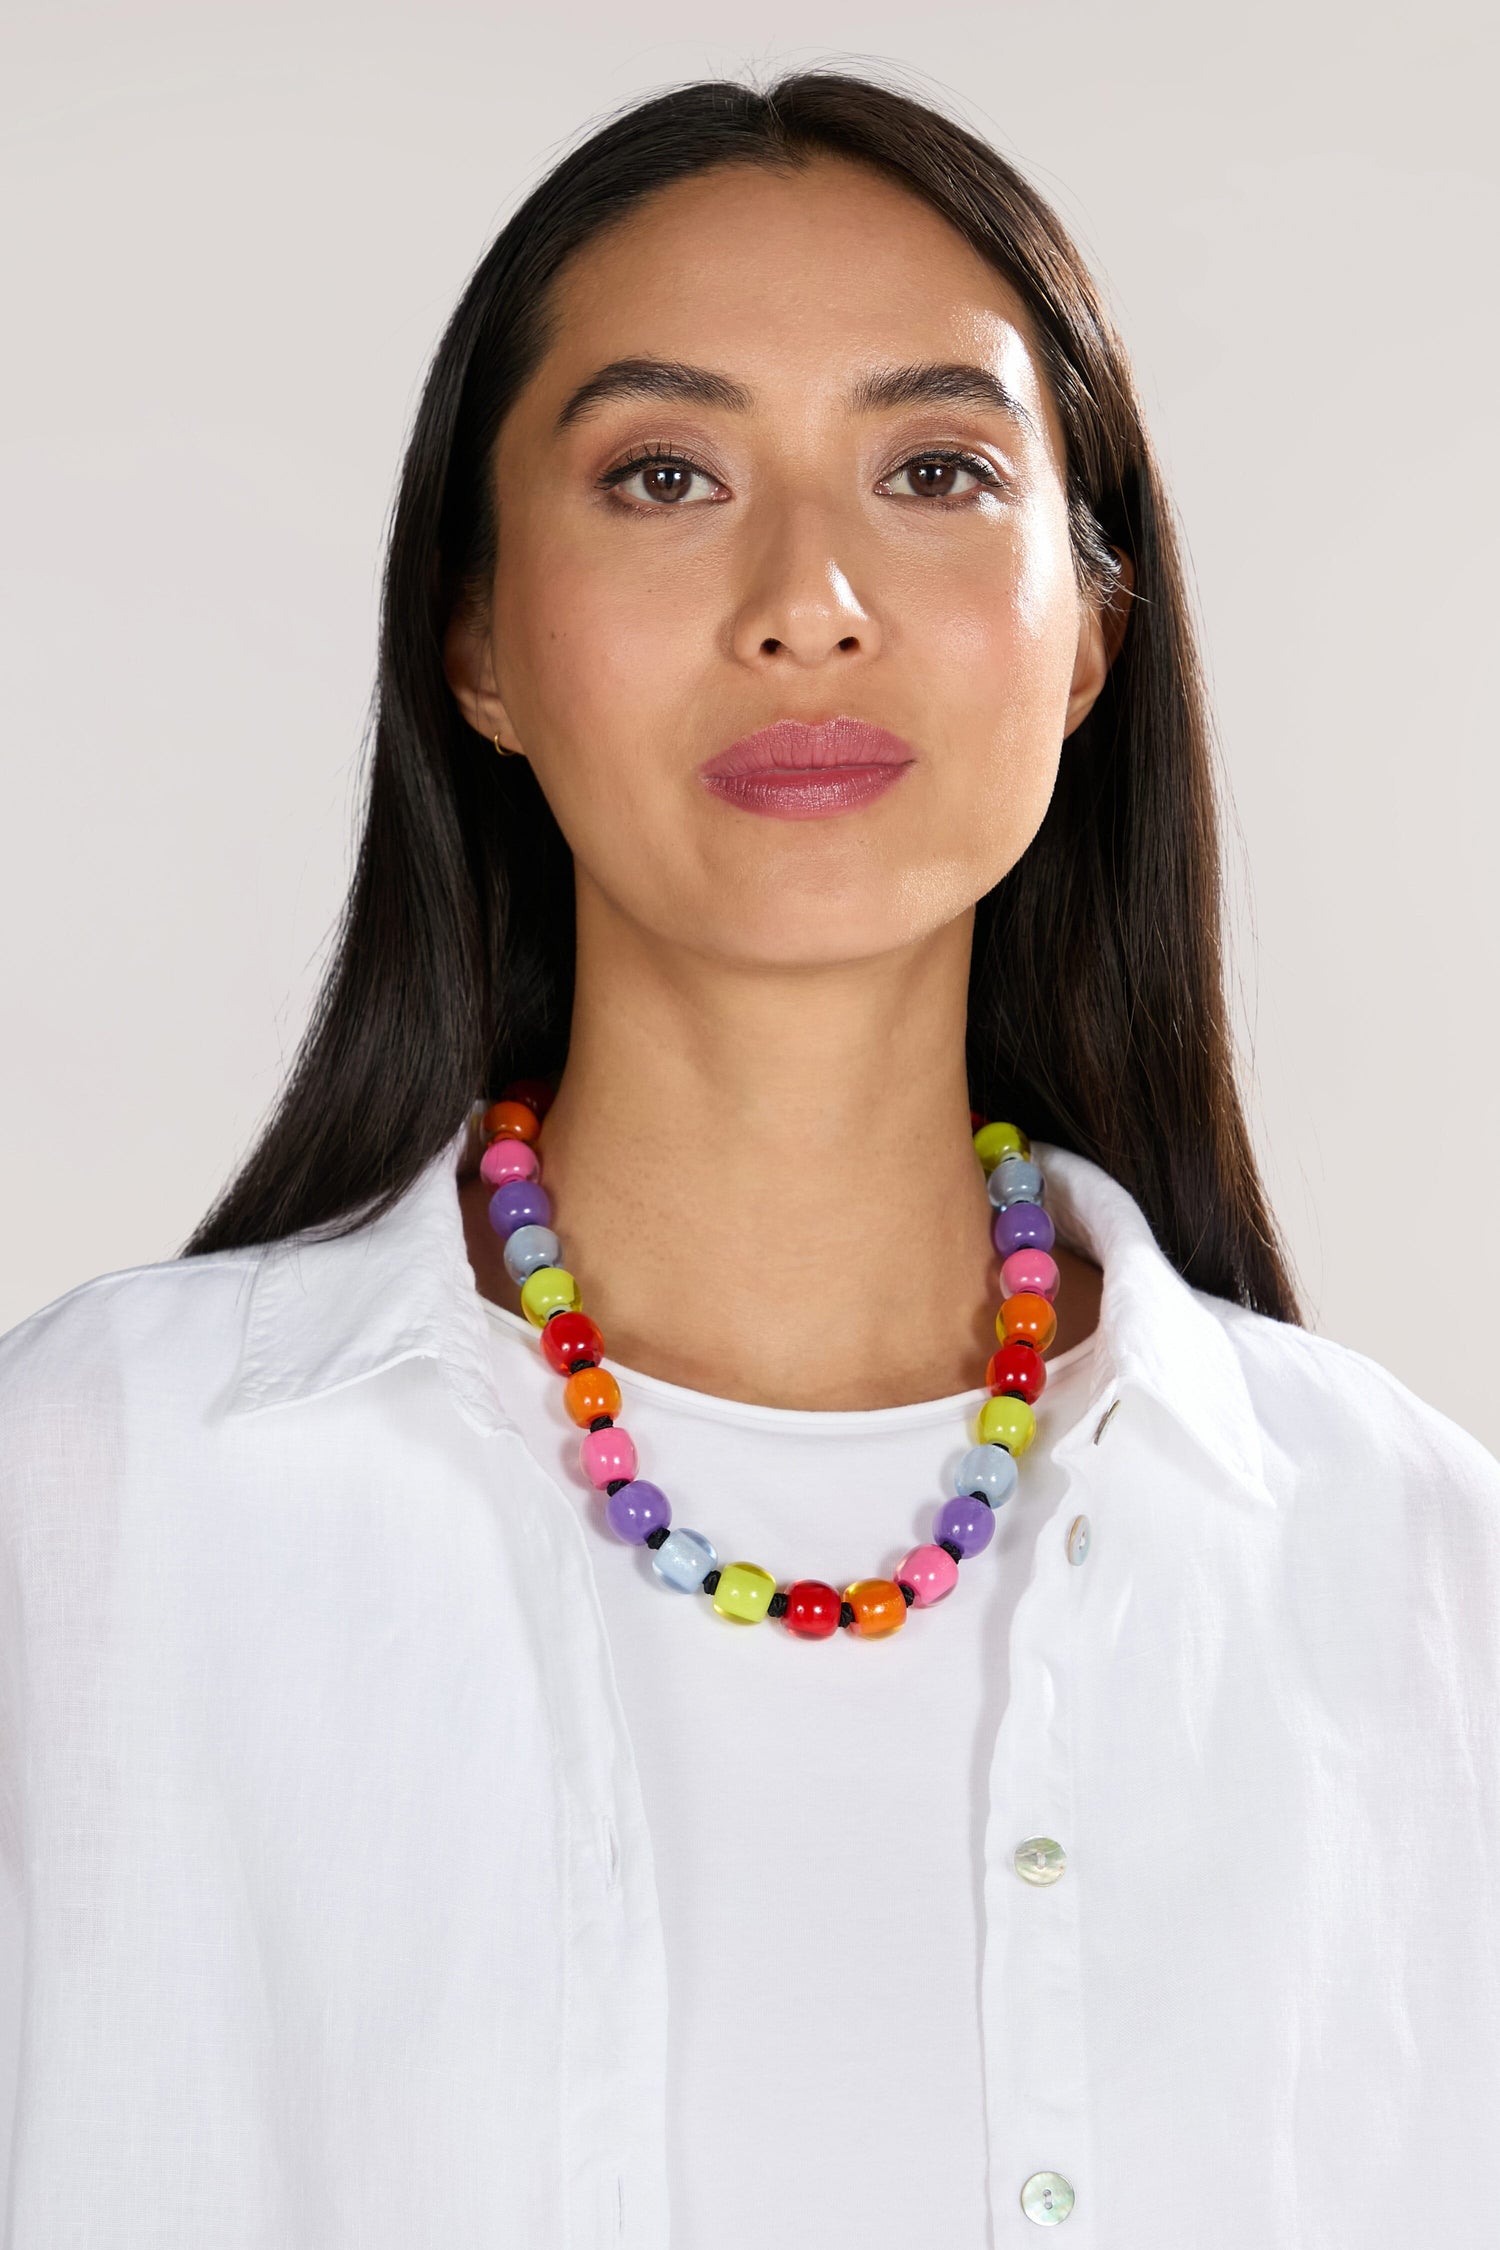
point(793, 771)
point(790, 746)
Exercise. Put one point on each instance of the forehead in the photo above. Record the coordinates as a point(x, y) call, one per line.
point(790, 277)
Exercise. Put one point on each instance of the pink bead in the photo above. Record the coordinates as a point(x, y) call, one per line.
point(930, 1572)
point(1034, 1271)
point(508, 1160)
point(607, 1454)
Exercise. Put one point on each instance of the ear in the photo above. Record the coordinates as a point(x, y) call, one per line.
point(469, 662)
point(1101, 631)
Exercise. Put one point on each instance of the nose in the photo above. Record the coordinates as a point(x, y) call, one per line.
point(798, 607)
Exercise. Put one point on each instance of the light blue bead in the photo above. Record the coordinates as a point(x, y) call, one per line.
point(531, 1247)
point(683, 1560)
point(1015, 1180)
point(988, 1469)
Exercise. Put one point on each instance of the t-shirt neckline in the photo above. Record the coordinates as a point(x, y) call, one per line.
point(679, 1398)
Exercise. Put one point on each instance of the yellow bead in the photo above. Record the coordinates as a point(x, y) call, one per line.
point(743, 1592)
point(1008, 1422)
point(550, 1289)
point(991, 1142)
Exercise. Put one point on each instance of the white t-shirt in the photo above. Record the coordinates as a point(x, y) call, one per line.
point(816, 1809)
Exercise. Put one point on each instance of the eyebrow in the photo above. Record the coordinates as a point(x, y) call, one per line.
point(956, 382)
point(928, 382)
point(654, 378)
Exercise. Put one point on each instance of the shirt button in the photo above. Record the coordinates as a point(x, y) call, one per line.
point(1040, 1860)
point(1047, 2198)
point(1105, 1419)
point(1078, 1539)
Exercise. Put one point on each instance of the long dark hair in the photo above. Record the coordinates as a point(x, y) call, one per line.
point(1096, 1003)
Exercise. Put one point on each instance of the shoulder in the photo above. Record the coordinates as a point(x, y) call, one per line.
point(122, 1341)
point(1327, 1413)
point(1375, 1554)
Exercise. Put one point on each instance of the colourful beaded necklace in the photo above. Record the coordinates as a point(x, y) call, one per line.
point(639, 1512)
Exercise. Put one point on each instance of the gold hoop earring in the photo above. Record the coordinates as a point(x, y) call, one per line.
point(502, 749)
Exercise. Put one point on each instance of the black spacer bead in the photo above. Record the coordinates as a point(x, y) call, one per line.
point(575, 1364)
point(906, 1593)
point(949, 1549)
point(776, 1606)
point(711, 1581)
point(984, 1496)
point(655, 1538)
point(846, 1613)
point(615, 1483)
point(602, 1422)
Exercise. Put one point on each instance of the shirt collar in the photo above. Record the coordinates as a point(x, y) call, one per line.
point(325, 1313)
point(1157, 1334)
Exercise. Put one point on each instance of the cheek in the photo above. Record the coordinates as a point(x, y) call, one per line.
point(594, 658)
point(1006, 623)
point(996, 638)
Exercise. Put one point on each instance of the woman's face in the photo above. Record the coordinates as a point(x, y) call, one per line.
point(789, 459)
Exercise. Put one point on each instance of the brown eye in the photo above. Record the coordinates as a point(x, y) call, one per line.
point(661, 480)
point(934, 479)
point(940, 476)
point(666, 480)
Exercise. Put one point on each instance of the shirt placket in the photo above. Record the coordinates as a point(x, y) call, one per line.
point(1035, 1889)
point(612, 2069)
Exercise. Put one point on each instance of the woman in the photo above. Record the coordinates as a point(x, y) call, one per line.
point(431, 1818)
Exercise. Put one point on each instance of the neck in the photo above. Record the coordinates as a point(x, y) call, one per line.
point(764, 1179)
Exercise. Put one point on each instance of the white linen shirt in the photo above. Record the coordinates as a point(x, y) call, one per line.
point(330, 1920)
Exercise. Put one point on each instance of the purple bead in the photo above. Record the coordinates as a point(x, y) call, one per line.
point(519, 1203)
point(636, 1509)
point(1020, 1226)
point(968, 1521)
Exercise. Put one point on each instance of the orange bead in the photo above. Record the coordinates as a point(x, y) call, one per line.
point(589, 1392)
point(511, 1121)
point(879, 1607)
point(1029, 1317)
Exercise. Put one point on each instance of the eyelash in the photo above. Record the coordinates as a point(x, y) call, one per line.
point(951, 456)
point(659, 456)
point(654, 457)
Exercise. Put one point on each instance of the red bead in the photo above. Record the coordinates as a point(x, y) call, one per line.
point(976, 1119)
point(812, 1609)
point(534, 1092)
point(569, 1337)
point(1016, 1371)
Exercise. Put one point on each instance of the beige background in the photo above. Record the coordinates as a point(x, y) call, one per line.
point(232, 236)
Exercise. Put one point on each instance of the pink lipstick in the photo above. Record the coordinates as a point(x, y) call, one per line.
point(791, 771)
